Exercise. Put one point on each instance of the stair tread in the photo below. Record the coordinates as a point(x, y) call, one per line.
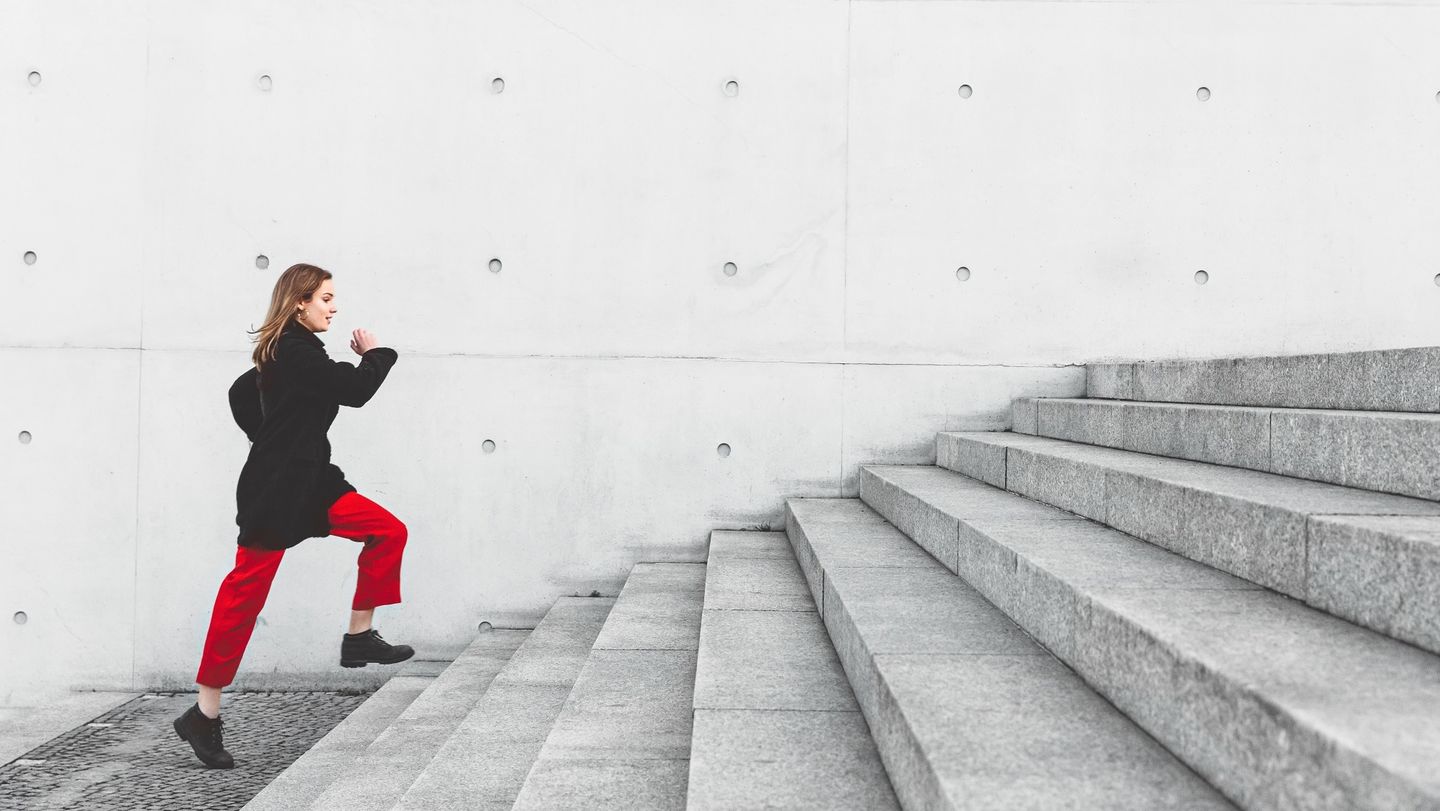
point(966, 709)
point(622, 738)
point(1385, 451)
point(380, 774)
point(1341, 696)
point(1322, 543)
point(486, 757)
point(769, 688)
point(322, 764)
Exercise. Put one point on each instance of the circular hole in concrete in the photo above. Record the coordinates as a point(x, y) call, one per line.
point(965, 91)
point(1203, 94)
point(265, 83)
point(730, 269)
point(262, 261)
point(34, 77)
point(30, 257)
point(497, 85)
point(485, 626)
point(494, 265)
point(723, 450)
point(24, 437)
point(732, 88)
point(20, 618)
point(1201, 277)
point(488, 446)
point(963, 274)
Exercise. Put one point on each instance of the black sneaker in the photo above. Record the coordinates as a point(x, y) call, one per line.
point(358, 650)
point(205, 736)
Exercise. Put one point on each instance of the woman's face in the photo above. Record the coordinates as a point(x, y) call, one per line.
point(319, 309)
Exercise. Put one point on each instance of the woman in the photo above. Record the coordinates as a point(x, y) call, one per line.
point(289, 491)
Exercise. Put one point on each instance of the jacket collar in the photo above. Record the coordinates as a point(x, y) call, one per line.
point(296, 328)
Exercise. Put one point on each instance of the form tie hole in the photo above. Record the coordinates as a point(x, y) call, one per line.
point(732, 88)
point(265, 83)
point(1203, 94)
point(30, 257)
point(723, 450)
point(965, 91)
point(1201, 277)
point(262, 261)
point(494, 265)
point(488, 446)
point(24, 437)
point(497, 85)
point(730, 269)
point(34, 77)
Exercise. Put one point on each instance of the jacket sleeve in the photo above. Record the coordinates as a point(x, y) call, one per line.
point(245, 403)
point(338, 381)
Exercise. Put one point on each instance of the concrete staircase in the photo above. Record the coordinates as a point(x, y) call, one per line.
point(1207, 584)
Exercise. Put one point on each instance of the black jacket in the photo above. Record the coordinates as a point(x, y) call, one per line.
point(288, 483)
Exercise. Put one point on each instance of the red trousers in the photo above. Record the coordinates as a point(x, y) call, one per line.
point(243, 591)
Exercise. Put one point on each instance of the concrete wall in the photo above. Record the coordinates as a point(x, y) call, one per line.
point(1082, 183)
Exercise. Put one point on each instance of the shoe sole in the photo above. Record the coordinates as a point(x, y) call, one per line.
point(176, 724)
point(364, 662)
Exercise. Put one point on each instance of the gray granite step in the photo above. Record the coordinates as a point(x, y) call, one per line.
point(1276, 703)
point(1373, 380)
point(622, 740)
point(1387, 451)
point(312, 773)
point(483, 763)
point(379, 775)
point(769, 688)
point(1321, 543)
point(967, 710)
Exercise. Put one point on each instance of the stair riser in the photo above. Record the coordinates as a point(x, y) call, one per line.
point(1219, 726)
point(1381, 380)
point(1267, 545)
point(1385, 452)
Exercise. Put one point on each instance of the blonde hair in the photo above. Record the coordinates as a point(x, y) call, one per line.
point(297, 284)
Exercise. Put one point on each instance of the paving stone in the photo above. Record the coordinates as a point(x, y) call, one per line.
point(139, 761)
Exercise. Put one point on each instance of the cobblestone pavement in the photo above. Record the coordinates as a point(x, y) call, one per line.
point(131, 758)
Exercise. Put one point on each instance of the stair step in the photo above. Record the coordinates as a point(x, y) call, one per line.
point(1387, 451)
point(622, 740)
point(1276, 703)
point(483, 763)
point(1317, 542)
point(967, 711)
point(1372, 380)
point(776, 723)
point(389, 765)
point(313, 772)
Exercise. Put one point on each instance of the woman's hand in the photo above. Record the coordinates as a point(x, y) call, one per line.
point(362, 341)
